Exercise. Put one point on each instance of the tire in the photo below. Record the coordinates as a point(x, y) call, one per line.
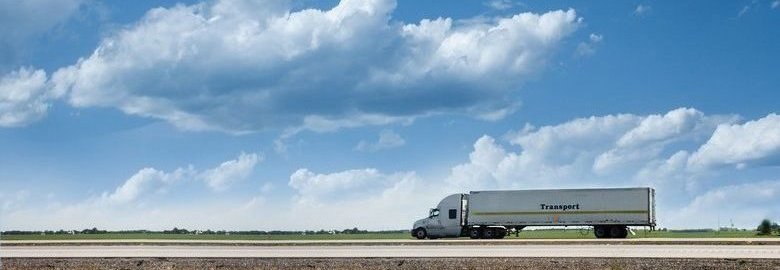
point(617, 232)
point(623, 232)
point(489, 233)
point(501, 233)
point(600, 231)
point(475, 233)
point(420, 233)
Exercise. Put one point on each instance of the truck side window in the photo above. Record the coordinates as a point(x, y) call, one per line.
point(434, 213)
point(453, 213)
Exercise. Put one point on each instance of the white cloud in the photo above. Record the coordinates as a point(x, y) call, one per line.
point(24, 97)
point(387, 139)
point(151, 180)
point(243, 66)
point(560, 154)
point(650, 137)
point(365, 198)
point(322, 201)
point(642, 10)
point(775, 4)
point(499, 4)
point(662, 127)
point(589, 47)
point(311, 186)
point(752, 143)
point(743, 204)
point(146, 180)
point(221, 177)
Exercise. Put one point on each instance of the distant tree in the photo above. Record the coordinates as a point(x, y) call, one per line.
point(776, 227)
point(765, 228)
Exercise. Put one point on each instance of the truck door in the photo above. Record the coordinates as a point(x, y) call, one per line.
point(450, 215)
point(434, 223)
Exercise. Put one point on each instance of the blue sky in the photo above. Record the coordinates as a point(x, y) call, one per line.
point(260, 115)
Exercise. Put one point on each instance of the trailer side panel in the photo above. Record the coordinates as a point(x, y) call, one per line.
point(562, 207)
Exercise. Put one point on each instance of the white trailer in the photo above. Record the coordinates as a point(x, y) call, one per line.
point(491, 214)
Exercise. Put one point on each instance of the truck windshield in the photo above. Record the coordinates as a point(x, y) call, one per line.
point(434, 213)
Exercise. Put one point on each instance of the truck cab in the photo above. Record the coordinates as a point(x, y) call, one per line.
point(446, 220)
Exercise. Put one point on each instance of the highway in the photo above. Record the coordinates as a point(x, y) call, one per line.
point(372, 242)
point(389, 251)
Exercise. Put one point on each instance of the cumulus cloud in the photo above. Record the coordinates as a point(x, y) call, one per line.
point(751, 143)
point(741, 204)
point(559, 154)
point(775, 4)
point(387, 139)
point(24, 97)
point(662, 127)
point(151, 180)
point(593, 151)
point(586, 48)
point(243, 66)
point(366, 198)
point(221, 177)
point(654, 132)
point(146, 180)
point(311, 186)
point(362, 197)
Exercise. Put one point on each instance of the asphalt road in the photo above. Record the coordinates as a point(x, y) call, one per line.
point(359, 251)
point(371, 242)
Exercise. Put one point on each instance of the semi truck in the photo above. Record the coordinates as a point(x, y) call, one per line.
point(492, 214)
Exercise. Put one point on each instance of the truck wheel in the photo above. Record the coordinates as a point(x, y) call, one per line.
point(489, 233)
point(474, 233)
point(600, 231)
point(501, 233)
point(624, 233)
point(420, 233)
point(618, 232)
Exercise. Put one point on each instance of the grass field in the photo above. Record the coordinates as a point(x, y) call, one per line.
point(527, 234)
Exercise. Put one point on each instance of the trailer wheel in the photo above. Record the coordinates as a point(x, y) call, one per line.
point(489, 233)
point(618, 232)
point(501, 233)
point(420, 233)
point(600, 231)
point(475, 233)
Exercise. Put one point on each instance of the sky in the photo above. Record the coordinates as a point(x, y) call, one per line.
point(308, 115)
